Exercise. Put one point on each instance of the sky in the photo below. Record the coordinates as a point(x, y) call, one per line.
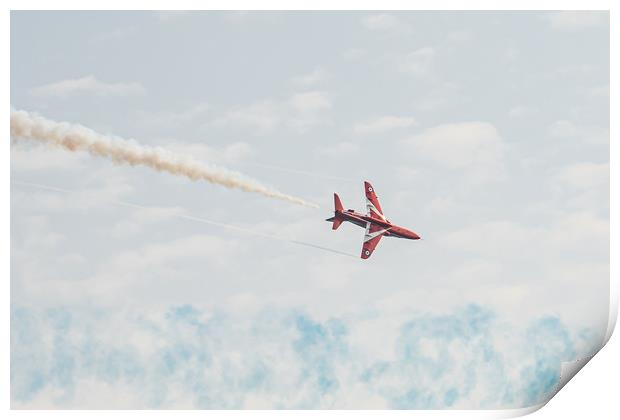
point(485, 132)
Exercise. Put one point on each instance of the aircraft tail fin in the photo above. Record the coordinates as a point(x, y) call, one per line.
point(336, 219)
point(337, 203)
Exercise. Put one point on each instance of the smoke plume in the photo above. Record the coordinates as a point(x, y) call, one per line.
point(25, 125)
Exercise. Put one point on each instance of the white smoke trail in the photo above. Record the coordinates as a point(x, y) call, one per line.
point(25, 125)
point(197, 219)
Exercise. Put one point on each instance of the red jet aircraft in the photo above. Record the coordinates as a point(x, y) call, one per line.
point(375, 222)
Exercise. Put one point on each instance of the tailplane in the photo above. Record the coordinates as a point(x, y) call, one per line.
point(337, 223)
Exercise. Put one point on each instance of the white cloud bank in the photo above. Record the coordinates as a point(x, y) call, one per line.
point(187, 357)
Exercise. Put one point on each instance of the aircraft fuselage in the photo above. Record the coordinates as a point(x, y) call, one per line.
point(362, 220)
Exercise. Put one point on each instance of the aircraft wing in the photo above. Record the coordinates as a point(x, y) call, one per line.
point(372, 203)
point(371, 239)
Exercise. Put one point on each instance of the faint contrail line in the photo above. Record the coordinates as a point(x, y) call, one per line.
point(194, 219)
point(73, 137)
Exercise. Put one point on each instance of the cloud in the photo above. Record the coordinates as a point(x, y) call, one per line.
point(385, 123)
point(419, 62)
point(582, 186)
point(507, 263)
point(315, 77)
point(562, 128)
point(575, 20)
point(566, 233)
point(264, 115)
point(163, 119)
point(88, 84)
point(161, 271)
point(231, 153)
point(584, 175)
point(521, 111)
point(443, 361)
point(299, 111)
point(565, 129)
point(190, 357)
point(36, 157)
point(143, 219)
point(311, 102)
point(157, 256)
point(488, 239)
point(105, 185)
point(459, 145)
point(443, 95)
